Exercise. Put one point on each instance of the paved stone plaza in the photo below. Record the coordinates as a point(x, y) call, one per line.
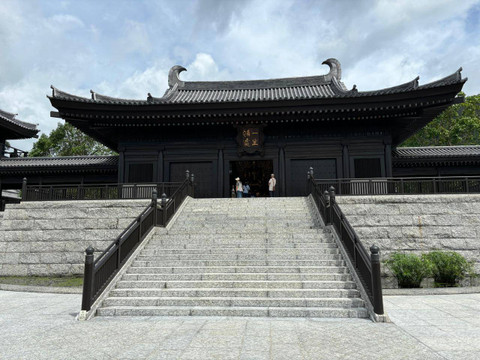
point(42, 326)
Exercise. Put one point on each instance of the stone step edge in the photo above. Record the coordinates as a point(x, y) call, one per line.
point(236, 311)
point(232, 290)
point(240, 281)
point(241, 267)
point(235, 273)
point(232, 298)
point(158, 248)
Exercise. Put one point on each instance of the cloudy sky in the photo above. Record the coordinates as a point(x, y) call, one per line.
point(125, 48)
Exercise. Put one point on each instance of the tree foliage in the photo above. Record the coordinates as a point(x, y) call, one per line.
point(66, 140)
point(457, 125)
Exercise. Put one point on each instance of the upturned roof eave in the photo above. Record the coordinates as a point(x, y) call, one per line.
point(410, 96)
point(19, 132)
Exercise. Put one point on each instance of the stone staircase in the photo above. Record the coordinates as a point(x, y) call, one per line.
point(238, 257)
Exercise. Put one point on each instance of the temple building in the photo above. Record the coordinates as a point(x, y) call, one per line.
point(12, 128)
point(224, 129)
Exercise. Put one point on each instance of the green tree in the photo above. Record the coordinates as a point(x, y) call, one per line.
point(457, 125)
point(66, 140)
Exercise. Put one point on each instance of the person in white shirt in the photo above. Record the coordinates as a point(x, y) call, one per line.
point(271, 185)
point(238, 187)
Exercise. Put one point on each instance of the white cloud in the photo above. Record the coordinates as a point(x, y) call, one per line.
point(126, 49)
point(64, 22)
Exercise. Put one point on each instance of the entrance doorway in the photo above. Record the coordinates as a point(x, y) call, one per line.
point(255, 173)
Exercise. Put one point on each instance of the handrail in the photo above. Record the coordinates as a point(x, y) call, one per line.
point(99, 272)
point(107, 191)
point(367, 267)
point(403, 185)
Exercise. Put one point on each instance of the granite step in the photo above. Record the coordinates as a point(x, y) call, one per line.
point(224, 257)
point(224, 284)
point(238, 269)
point(319, 255)
point(158, 250)
point(315, 312)
point(237, 292)
point(325, 261)
point(234, 301)
point(237, 277)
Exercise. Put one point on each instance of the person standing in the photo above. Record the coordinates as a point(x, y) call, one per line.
point(271, 185)
point(238, 187)
point(246, 190)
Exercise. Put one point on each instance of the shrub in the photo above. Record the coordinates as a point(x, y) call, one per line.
point(448, 267)
point(409, 269)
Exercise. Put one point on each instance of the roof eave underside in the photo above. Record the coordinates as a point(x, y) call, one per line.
point(16, 130)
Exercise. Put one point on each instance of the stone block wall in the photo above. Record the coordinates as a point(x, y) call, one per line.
point(49, 238)
point(416, 223)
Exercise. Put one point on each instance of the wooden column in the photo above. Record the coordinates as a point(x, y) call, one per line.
point(281, 171)
point(345, 161)
point(388, 160)
point(121, 167)
point(160, 167)
point(220, 184)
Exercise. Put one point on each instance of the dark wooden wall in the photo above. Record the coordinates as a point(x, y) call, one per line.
point(208, 154)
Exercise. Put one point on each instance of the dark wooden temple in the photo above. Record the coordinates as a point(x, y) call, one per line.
point(250, 129)
point(12, 128)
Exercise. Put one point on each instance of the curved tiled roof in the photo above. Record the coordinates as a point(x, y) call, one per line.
point(298, 88)
point(436, 152)
point(62, 161)
point(11, 118)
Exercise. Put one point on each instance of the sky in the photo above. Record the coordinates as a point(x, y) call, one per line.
point(125, 48)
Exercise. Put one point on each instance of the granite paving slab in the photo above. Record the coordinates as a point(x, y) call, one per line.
point(43, 326)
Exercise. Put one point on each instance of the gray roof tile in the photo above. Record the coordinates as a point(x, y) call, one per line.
point(436, 152)
point(63, 161)
point(11, 118)
point(311, 87)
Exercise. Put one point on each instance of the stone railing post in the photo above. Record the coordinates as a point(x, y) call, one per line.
point(331, 195)
point(376, 280)
point(154, 206)
point(192, 184)
point(88, 280)
point(310, 180)
point(326, 196)
point(164, 209)
point(24, 189)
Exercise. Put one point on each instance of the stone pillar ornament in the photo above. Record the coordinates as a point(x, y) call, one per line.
point(24, 189)
point(376, 280)
point(88, 279)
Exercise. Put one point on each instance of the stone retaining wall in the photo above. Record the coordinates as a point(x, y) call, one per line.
point(49, 238)
point(416, 223)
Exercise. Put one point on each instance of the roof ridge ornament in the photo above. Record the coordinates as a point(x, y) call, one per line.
point(94, 95)
point(174, 78)
point(458, 73)
point(54, 90)
point(415, 82)
point(335, 69)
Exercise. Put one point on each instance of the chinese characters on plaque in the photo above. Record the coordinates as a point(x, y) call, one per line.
point(250, 139)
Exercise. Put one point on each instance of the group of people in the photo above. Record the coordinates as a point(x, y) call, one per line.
point(242, 190)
